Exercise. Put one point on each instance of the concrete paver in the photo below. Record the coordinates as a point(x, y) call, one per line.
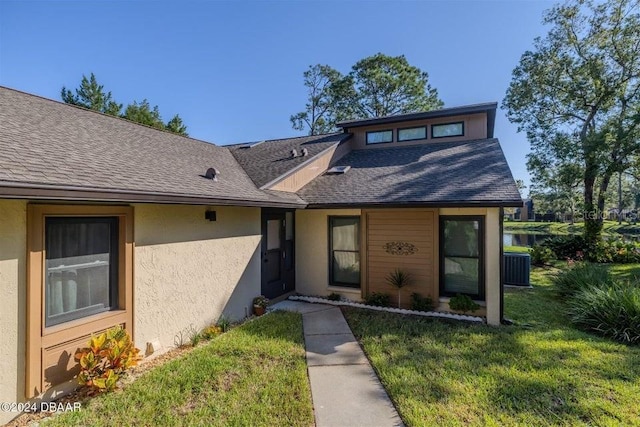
point(344, 387)
point(350, 395)
point(326, 322)
point(339, 349)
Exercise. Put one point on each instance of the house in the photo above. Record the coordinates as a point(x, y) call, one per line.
point(106, 222)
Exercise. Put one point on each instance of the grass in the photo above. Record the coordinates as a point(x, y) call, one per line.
point(540, 371)
point(519, 249)
point(610, 228)
point(254, 375)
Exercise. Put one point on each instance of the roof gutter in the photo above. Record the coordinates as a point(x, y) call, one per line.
point(70, 193)
point(436, 204)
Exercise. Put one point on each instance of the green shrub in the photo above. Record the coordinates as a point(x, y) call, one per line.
point(333, 296)
point(541, 255)
point(566, 247)
point(463, 303)
point(378, 298)
point(612, 311)
point(420, 303)
point(581, 276)
point(194, 335)
point(614, 250)
point(223, 323)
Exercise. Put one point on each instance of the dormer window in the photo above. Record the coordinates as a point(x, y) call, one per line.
point(411, 134)
point(379, 137)
point(445, 130)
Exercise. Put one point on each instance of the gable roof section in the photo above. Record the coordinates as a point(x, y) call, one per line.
point(52, 150)
point(489, 108)
point(267, 161)
point(437, 174)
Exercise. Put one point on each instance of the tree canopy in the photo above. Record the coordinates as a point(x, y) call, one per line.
point(376, 86)
point(91, 95)
point(329, 99)
point(577, 97)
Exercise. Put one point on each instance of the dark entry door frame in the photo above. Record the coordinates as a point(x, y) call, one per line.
point(278, 252)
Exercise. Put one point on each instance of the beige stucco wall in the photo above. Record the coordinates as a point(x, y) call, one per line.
point(312, 252)
point(492, 257)
point(189, 271)
point(13, 251)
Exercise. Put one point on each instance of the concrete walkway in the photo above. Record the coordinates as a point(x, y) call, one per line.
point(344, 387)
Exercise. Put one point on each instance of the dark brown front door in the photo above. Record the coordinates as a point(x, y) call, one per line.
point(278, 266)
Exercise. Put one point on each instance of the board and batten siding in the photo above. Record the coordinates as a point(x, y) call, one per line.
point(414, 227)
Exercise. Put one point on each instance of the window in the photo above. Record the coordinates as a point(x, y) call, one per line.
point(344, 251)
point(462, 256)
point(379, 137)
point(79, 282)
point(411, 134)
point(81, 267)
point(447, 129)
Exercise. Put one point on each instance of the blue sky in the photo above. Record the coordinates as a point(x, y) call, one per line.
point(233, 70)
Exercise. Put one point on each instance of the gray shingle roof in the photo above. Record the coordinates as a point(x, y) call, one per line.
point(47, 144)
point(269, 160)
point(470, 172)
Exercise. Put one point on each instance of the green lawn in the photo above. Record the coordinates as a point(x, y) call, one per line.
point(520, 249)
point(540, 371)
point(610, 228)
point(254, 375)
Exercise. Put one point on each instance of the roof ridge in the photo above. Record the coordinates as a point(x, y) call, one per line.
point(235, 144)
point(81, 108)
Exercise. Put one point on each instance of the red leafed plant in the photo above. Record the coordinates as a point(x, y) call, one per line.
point(106, 358)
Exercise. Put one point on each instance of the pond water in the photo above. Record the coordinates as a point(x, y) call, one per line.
point(528, 240)
point(522, 239)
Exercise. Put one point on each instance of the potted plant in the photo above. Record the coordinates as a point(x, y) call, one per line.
point(260, 305)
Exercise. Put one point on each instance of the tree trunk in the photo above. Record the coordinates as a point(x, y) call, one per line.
point(604, 185)
point(592, 216)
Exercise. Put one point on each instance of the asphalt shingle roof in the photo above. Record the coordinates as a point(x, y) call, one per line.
point(438, 173)
point(48, 143)
point(271, 159)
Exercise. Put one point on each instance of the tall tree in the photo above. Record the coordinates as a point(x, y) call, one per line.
point(388, 85)
point(329, 100)
point(91, 95)
point(143, 113)
point(176, 125)
point(379, 85)
point(577, 96)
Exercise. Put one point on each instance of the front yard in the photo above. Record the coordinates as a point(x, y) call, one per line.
point(254, 375)
point(541, 371)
